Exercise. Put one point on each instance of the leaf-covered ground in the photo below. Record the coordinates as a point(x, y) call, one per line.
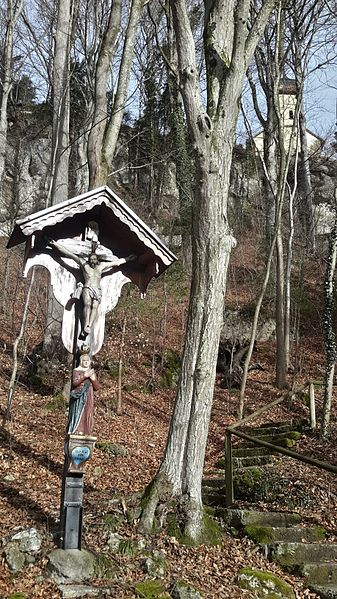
point(31, 445)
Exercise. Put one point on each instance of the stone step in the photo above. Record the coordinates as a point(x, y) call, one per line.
point(271, 534)
point(297, 554)
point(212, 498)
point(246, 452)
point(325, 592)
point(213, 492)
point(241, 518)
point(245, 462)
point(282, 440)
point(320, 574)
point(293, 424)
point(217, 483)
point(75, 591)
point(270, 429)
point(218, 472)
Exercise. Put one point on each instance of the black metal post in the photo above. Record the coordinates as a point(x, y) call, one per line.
point(71, 510)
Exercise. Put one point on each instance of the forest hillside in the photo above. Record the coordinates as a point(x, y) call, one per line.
point(216, 400)
point(130, 445)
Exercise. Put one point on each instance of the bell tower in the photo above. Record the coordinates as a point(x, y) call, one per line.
point(288, 101)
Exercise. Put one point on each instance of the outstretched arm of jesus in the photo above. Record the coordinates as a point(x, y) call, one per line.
point(117, 262)
point(66, 252)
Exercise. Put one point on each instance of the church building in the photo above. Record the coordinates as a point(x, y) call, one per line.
point(287, 102)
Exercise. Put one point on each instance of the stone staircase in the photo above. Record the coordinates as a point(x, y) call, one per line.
point(298, 547)
point(248, 461)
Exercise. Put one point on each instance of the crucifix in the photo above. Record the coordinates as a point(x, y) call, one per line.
point(91, 245)
point(90, 290)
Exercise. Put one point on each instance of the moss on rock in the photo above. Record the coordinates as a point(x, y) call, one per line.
point(259, 534)
point(113, 449)
point(264, 534)
point(150, 589)
point(294, 435)
point(266, 585)
point(183, 590)
point(248, 483)
point(211, 533)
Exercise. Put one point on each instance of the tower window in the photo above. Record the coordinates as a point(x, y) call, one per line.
point(291, 115)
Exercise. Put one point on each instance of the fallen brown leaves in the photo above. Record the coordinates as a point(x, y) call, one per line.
point(31, 460)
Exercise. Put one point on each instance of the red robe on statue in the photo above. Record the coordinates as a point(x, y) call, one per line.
point(81, 409)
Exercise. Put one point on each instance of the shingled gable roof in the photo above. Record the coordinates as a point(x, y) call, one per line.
point(120, 229)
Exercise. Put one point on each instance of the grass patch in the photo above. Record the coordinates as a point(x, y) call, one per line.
point(57, 403)
point(150, 589)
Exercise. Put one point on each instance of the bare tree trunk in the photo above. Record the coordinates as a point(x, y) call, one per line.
point(330, 337)
point(182, 466)
point(254, 328)
point(13, 12)
point(120, 369)
point(270, 182)
point(105, 128)
point(305, 186)
point(278, 219)
point(82, 173)
point(12, 382)
point(5, 283)
point(303, 27)
point(287, 281)
point(212, 135)
point(61, 105)
point(182, 157)
point(58, 187)
point(280, 353)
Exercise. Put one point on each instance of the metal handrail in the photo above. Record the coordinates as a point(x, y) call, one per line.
point(276, 448)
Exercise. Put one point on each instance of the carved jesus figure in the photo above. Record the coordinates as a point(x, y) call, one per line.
point(92, 270)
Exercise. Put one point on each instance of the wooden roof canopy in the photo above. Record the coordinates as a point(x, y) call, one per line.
point(120, 230)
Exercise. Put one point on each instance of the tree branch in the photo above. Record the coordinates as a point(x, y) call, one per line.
point(257, 28)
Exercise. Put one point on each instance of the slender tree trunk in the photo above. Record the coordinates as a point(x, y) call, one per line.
point(270, 182)
point(61, 104)
point(120, 369)
point(330, 337)
point(12, 382)
point(82, 173)
point(105, 128)
point(13, 13)
point(280, 347)
point(305, 186)
point(182, 158)
point(4, 298)
point(58, 188)
point(287, 282)
point(254, 328)
point(302, 41)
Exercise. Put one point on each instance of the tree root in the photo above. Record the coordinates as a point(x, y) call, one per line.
point(184, 518)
